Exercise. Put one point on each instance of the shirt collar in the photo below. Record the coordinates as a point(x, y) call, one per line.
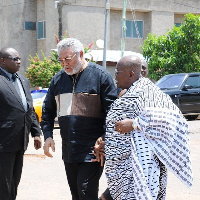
point(9, 75)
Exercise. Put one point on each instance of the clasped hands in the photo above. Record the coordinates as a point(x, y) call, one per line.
point(123, 126)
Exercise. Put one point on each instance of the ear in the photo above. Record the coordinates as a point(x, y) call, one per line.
point(81, 54)
point(132, 74)
point(2, 60)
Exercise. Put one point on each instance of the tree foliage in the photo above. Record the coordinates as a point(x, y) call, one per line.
point(40, 72)
point(176, 52)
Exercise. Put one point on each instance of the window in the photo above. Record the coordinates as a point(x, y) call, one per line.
point(41, 30)
point(134, 29)
point(30, 26)
point(178, 24)
point(170, 82)
point(193, 81)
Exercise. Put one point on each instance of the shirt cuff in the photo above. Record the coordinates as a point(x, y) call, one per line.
point(47, 135)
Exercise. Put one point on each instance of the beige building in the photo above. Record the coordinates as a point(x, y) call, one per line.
point(30, 25)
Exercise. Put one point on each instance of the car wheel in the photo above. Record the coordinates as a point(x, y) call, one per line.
point(191, 117)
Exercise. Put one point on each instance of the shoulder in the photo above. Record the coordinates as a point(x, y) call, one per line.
point(144, 82)
point(141, 86)
point(58, 75)
point(95, 68)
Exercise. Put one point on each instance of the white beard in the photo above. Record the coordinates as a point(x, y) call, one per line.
point(76, 69)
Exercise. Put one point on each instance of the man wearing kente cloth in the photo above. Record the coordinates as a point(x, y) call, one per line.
point(146, 135)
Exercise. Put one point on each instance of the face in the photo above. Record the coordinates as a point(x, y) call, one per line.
point(70, 61)
point(12, 62)
point(144, 70)
point(122, 77)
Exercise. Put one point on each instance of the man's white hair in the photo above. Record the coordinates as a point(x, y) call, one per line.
point(73, 43)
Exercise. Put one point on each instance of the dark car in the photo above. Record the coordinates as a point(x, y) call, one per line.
point(184, 89)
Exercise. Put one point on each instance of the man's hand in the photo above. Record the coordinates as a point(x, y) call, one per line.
point(124, 126)
point(49, 142)
point(37, 142)
point(99, 151)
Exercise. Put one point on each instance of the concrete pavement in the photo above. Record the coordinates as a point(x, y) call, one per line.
point(44, 178)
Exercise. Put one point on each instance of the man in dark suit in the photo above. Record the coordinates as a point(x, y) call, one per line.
point(17, 119)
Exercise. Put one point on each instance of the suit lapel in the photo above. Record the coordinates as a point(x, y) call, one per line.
point(10, 85)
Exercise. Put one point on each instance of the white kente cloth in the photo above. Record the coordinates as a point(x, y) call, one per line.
point(134, 160)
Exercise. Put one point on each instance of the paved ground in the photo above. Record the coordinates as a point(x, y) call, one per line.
point(44, 178)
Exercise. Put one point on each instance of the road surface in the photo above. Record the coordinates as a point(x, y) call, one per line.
point(44, 178)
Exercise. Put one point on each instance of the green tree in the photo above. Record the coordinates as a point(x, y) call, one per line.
point(176, 52)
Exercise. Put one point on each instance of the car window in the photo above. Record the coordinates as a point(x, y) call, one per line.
point(193, 82)
point(38, 95)
point(170, 82)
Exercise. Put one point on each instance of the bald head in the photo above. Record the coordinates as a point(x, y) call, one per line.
point(10, 60)
point(5, 52)
point(132, 63)
point(128, 71)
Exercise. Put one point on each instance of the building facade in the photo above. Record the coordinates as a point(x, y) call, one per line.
point(29, 25)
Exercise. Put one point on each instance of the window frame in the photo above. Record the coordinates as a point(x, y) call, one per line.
point(31, 27)
point(141, 34)
point(190, 83)
point(43, 30)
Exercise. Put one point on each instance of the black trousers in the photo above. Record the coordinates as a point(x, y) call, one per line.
point(11, 164)
point(83, 179)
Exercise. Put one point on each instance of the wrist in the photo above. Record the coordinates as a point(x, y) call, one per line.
point(135, 125)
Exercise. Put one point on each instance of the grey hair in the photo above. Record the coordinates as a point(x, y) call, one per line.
point(75, 45)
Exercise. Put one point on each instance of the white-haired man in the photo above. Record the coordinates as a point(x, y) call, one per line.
point(80, 95)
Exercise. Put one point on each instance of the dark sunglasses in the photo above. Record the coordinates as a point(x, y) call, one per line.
point(15, 58)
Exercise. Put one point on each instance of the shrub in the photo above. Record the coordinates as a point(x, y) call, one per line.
point(40, 72)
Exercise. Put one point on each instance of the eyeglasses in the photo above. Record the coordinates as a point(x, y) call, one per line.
point(15, 58)
point(117, 72)
point(66, 60)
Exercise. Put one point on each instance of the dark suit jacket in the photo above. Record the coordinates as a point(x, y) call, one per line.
point(15, 122)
